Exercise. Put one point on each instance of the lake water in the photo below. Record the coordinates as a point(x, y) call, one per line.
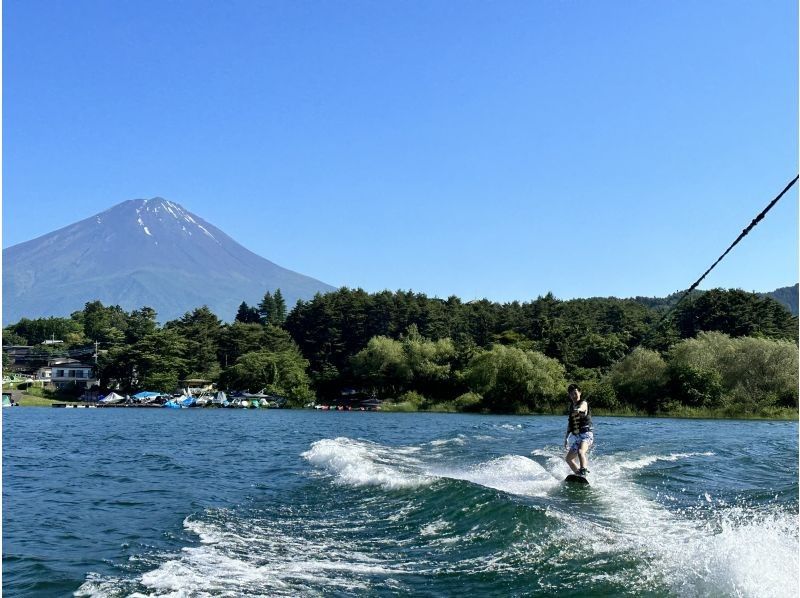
point(284, 503)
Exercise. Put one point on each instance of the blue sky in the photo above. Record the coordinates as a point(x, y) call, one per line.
point(481, 149)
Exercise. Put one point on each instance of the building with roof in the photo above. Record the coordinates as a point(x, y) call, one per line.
point(67, 374)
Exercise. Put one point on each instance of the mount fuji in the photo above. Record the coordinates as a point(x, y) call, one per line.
point(142, 252)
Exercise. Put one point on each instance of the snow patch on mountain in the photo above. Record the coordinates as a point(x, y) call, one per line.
point(103, 258)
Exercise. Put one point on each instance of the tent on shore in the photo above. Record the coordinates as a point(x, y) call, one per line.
point(220, 399)
point(112, 398)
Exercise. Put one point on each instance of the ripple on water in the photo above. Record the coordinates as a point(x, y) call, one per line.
point(299, 503)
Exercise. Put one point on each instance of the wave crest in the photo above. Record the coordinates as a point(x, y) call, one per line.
point(362, 463)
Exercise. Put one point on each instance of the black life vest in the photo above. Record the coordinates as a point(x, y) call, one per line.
point(579, 422)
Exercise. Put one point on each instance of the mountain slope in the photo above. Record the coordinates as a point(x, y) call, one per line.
point(142, 252)
point(788, 296)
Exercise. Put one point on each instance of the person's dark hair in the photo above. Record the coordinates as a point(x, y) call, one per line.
point(572, 387)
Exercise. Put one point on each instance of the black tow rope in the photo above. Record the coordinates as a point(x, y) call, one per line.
point(741, 236)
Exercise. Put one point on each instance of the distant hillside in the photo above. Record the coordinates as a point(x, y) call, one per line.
point(787, 296)
point(664, 303)
point(144, 252)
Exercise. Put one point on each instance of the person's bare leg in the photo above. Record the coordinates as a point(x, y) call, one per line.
point(582, 455)
point(570, 459)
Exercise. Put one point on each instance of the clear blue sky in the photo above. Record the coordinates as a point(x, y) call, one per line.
point(482, 149)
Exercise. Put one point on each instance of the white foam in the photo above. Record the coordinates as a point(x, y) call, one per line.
point(642, 462)
point(716, 551)
point(459, 440)
point(96, 586)
point(407, 450)
point(263, 558)
point(748, 553)
point(434, 528)
point(361, 463)
point(705, 550)
point(402, 513)
point(511, 426)
point(514, 474)
point(751, 554)
point(204, 571)
point(208, 534)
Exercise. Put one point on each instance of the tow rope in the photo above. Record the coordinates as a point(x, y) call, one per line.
point(741, 236)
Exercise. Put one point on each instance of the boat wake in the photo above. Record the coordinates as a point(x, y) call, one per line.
point(361, 463)
point(709, 548)
point(394, 519)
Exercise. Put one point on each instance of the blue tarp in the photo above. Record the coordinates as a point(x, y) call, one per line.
point(187, 401)
point(172, 405)
point(146, 394)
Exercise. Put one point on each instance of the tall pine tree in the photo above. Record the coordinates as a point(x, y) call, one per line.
point(247, 314)
point(279, 311)
point(266, 308)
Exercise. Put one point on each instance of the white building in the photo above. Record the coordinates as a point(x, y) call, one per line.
point(65, 374)
point(43, 374)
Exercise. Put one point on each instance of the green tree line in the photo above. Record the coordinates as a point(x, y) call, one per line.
point(725, 350)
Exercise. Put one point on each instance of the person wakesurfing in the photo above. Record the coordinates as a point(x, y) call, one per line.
point(579, 436)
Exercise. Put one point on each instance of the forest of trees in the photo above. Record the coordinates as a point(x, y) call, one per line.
point(721, 350)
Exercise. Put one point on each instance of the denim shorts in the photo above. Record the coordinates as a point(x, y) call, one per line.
point(575, 441)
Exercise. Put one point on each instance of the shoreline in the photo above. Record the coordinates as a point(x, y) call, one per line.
point(779, 414)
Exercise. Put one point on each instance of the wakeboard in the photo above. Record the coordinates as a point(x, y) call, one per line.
point(578, 479)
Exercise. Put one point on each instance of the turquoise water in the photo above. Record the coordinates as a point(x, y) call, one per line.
point(287, 503)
